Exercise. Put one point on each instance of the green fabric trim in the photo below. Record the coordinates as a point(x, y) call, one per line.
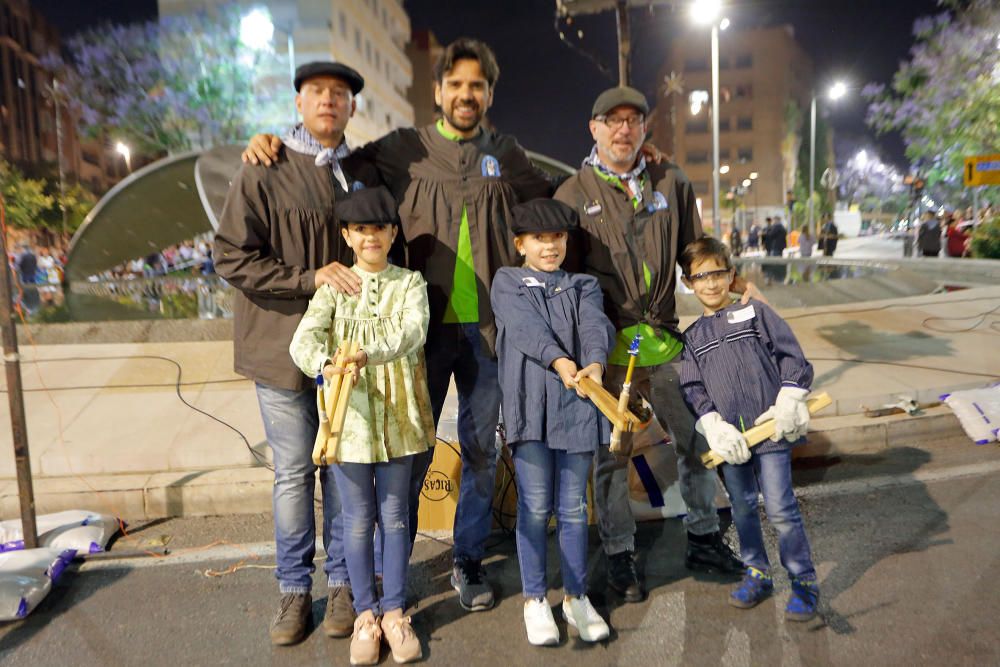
point(463, 305)
point(447, 134)
point(653, 350)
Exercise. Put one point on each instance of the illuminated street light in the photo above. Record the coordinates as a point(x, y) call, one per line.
point(724, 169)
point(754, 175)
point(124, 151)
point(838, 90)
point(747, 182)
point(723, 24)
point(697, 99)
point(256, 32)
point(706, 12)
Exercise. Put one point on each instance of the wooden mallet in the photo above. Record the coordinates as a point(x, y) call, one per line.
point(616, 432)
point(762, 432)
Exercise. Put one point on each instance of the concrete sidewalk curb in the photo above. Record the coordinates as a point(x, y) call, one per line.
point(247, 490)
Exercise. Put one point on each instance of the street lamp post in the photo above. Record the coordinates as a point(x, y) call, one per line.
point(753, 179)
point(257, 30)
point(707, 12)
point(837, 91)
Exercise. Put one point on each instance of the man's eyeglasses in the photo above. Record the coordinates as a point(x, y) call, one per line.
point(615, 123)
point(721, 274)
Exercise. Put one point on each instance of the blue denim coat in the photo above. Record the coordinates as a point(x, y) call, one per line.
point(540, 318)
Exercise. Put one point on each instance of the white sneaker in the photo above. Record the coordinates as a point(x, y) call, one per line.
point(540, 624)
point(581, 615)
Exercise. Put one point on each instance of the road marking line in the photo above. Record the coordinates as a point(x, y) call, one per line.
point(261, 552)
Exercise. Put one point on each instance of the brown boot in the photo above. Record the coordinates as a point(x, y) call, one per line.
point(339, 618)
point(401, 638)
point(366, 643)
point(289, 625)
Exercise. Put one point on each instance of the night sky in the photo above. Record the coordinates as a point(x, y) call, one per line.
point(546, 89)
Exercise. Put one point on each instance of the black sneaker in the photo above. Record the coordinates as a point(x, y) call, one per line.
point(710, 553)
point(469, 578)
point(290, 624)
point(622, 577)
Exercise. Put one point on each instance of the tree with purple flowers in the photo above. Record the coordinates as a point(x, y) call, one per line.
point(181, 83)
point(945, 100)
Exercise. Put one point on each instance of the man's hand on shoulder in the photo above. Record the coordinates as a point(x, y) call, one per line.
point(338, 277)
point(747, 289)
point(262, 149)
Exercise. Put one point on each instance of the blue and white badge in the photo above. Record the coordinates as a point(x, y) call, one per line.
point(490, 167)
point(659, 202)
point(357, 185)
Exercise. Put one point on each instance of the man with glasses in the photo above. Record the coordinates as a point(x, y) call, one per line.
point(635, 217)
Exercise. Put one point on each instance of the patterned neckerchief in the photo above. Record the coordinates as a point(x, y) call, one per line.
point(301, 141)
point(632, 178)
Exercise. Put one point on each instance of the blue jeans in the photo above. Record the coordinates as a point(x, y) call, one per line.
point(456, 350)
point(551, 481)
point(290, 423)
point(771, 474)
point(369, 491)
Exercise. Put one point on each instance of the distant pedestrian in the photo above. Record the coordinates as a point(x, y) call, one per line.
point(27, 265)
point(775, 240)
point(929, 235)
point(753, 237)
point(828, 236)
point(805, 243)
point(736, 242)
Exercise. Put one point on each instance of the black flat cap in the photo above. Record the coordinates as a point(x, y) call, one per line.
point(368, 206)
point(543, 215)
point(339, 70)
point(619, 96)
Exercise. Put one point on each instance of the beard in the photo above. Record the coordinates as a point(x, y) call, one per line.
point(460, 124)
point(622, 154)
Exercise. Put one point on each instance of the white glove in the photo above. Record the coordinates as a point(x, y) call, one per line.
point(723, 438)
point(790, 414)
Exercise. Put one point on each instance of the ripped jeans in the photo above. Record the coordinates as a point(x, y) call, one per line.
point(551, 481)
point(370, 491)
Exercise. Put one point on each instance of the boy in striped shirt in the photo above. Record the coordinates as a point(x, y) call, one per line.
point(742, 366)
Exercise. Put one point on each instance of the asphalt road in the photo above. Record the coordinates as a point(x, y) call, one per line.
point(905, 543)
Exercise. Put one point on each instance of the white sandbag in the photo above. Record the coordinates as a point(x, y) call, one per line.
point(82, 531)
point(26, 577)
point(978, 410)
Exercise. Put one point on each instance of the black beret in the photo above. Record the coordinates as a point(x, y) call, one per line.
point(339, 70)
point(368, 205)
point(543, 215)
point(619, 96)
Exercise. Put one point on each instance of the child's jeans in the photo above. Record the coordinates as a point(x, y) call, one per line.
point(369, 491)
point(551, 481)
point(771, 474)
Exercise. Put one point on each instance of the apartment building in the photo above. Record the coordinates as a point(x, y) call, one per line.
point(28, 131)
point(368, 35)
point(761, 72)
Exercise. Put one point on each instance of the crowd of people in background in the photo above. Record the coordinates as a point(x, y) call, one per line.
point(194, 256)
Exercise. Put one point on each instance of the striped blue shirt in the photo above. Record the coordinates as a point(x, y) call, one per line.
point(736, 360)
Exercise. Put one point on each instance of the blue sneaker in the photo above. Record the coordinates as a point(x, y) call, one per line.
point(803, 601)
point(754, 589)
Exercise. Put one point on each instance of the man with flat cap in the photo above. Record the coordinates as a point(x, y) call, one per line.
point(278, 241)
point(635, 218)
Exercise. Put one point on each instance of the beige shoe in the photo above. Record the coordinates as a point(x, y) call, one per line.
point(366, 642)
point(402, 640)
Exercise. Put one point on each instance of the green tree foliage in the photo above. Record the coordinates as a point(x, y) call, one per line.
point(25, 199)
point(986, 239)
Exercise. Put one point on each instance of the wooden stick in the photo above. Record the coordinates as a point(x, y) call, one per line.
point(616, 433)
point(326, 403)
point(762, 432)
point(608, 405)
point(340, 412)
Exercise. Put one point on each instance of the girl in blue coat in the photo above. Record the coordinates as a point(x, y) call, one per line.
point(552, 332)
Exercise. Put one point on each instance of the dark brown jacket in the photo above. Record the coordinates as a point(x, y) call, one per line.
point(615, 240)
point(432, 178)
point(276, 229)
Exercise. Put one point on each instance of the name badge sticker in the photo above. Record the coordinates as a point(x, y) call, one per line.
point(741, 315)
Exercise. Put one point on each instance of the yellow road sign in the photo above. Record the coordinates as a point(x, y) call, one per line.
point(982, 170)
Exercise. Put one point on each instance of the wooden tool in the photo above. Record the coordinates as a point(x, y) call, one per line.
point(616, 432)
point(608, 405)
point(332, 399)
point(762, 432)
